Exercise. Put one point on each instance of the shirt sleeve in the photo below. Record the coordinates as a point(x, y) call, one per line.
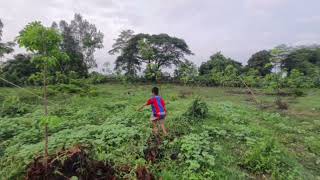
point(149, 101)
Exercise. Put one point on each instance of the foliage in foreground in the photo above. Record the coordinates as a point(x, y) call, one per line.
point(232, 142)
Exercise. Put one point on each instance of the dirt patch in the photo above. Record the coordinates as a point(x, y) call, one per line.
point(68, 163)
point(75, 162)
point(185, 93)
point(237, 92)
point(153, 152)
point(143, 174)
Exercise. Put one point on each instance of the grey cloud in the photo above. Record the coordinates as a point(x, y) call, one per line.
point(237, 28)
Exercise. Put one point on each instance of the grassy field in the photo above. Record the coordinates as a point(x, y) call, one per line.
point(237, 140)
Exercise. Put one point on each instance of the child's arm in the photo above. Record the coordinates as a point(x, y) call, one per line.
point(139, 109)
point(146, 104)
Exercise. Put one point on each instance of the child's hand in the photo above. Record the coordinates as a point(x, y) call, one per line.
point(139, 109)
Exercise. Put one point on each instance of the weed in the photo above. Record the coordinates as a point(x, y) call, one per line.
point(12, 106)
point(197, 110)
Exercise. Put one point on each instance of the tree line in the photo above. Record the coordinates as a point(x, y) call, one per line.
point(143, 57)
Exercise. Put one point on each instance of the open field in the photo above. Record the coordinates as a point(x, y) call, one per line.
point(236, 141)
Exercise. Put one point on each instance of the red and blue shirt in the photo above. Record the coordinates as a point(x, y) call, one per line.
point(158, 106)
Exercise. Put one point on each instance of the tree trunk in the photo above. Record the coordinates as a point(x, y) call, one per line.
point(45, 102)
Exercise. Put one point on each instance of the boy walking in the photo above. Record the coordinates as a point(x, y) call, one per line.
point(159, 110)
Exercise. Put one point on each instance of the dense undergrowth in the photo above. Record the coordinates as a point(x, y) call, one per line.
point(232, 141)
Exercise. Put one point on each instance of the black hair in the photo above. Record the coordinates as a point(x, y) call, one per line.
point(155, 90)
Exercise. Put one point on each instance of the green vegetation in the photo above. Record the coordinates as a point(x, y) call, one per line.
point(92, 130)
point(235, 140)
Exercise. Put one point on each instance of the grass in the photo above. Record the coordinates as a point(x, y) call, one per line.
point(236, 141)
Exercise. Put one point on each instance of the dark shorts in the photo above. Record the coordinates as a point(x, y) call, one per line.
point(155, 118)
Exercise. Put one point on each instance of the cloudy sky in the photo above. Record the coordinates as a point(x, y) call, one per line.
point(238, 28)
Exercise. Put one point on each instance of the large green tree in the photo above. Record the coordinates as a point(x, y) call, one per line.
point(186, 72)
point(70, 46)
point(166, 51)
point(80, 40)
point(218, 63)
point(304, 60)
point(88, 37)
point(5, 47)
point(45, 44)
point(19, 69)
point(261, 61)
point(121, 42)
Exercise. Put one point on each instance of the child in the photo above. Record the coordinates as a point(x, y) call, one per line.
point(159, 110)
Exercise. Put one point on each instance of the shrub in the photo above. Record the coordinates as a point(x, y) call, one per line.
point(74, 87)
point(12, 106)
point(268, 158)
point(198, 109)
point(96, 78)
point(297, 92)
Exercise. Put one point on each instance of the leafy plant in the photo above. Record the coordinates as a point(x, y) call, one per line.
point(12, 106)
point(268, 158)
point(198, 109)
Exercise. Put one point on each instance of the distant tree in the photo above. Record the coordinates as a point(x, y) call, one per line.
point(18, 69)
point(72, 48)
point(5, 48)
point(230, 76)
point(261, 61)
point(218, 63)
point(147, 53)
point(306, 61)
point(252, 78)
point(121, 42)
point(165, 50)
point(88, 37)
point(186, 72)
point(80, 41)
point(106, 68)
point(296, 79)
point(45, 43)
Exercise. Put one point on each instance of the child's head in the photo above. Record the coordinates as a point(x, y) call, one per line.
point(155, 91)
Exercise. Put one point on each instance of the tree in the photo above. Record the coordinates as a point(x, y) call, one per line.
point(44, 42)
point(166, 51)
point(80, 40)
point(121, 42)
point(88, 38)
point(186, 72)
point(296, 79)
point(261, 61)
point(106, 68)
point(5, 48)
point(218, 63)
point(71, 47)
point(304, 60)
point(230, 76)
point(18, 69)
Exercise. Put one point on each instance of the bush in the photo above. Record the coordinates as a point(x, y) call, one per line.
point(12, 106)
point(268, 158)
point(198, 109)
point(74, 87)
point(297, 92)
point(96, 78)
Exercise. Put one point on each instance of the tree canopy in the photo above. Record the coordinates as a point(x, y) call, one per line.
point(5, 48)
point(304, 60)
point(261, 61)
point(218, 63)
point(165, 50)
point(19, 69)
point(80, 40)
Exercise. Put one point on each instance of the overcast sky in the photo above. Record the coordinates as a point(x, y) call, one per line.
point(238, 28)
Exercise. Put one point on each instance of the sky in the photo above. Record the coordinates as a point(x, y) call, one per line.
point(237, 28)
